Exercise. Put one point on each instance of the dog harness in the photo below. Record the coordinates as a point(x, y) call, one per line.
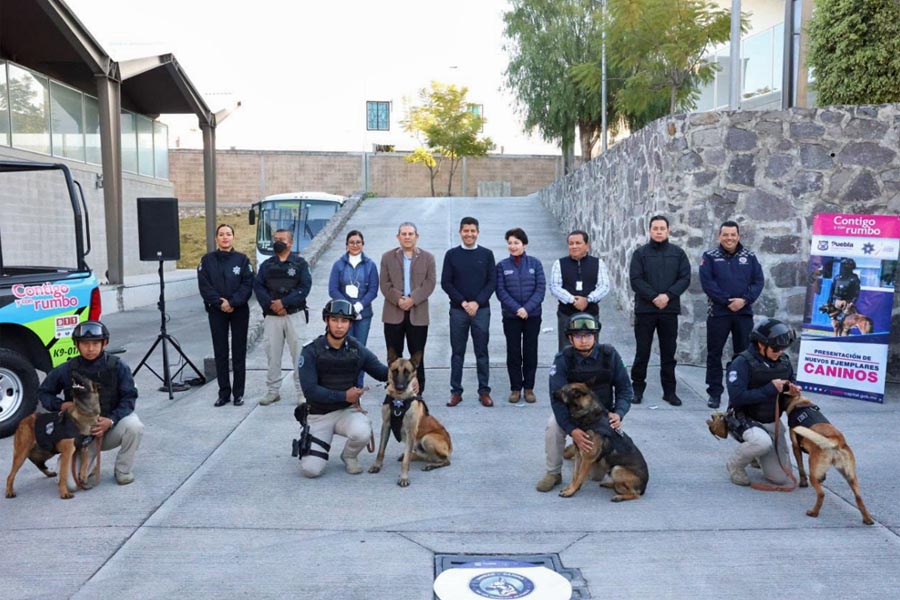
point(807, 416)
point(398, 411)
point(51, 428)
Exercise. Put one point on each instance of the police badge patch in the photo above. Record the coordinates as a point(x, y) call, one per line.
point(236, 270)
point(732, 376)
point(291, 272)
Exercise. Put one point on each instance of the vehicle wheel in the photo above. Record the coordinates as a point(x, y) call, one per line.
point(18, 390)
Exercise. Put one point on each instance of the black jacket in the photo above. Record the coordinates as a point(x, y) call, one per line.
point(656, 268)
point(226, 275)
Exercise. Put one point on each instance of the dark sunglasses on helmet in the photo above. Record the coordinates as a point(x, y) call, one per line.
point(583, 323)
point(89, 329)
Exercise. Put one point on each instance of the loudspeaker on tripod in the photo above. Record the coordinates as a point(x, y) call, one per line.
point(158, 235)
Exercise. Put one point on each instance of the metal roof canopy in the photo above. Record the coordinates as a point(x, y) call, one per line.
point(46, 36)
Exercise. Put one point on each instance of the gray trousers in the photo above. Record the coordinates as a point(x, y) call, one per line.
point(554, 445)
point(350, 423)
point(278, 331)
point(126, 436)
point(759, 443)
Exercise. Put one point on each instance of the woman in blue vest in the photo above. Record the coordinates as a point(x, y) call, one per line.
point(520, 289)
point(354, 278)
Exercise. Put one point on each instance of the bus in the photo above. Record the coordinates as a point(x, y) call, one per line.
point(46, 287)
point(303, 213)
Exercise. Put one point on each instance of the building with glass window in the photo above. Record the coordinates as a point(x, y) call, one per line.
point(63, 99)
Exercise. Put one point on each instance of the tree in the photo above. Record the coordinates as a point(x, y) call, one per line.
point(447, 128)
point(661, 46)
point(546, 38)
point(854, 50)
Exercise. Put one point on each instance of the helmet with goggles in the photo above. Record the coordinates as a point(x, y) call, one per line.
point(338, 308)
point(773, 334)
point(90, 330)
point(582, 322)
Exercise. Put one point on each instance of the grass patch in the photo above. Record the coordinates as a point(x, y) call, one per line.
point(193, 237)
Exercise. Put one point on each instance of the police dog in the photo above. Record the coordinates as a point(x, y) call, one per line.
point(851, 319)
point(78, 422)
point(405, 413)
point(826, 446)
point(613, 453)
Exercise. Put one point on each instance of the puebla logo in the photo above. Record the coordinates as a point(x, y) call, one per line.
point(823, 245)
point(501, 584)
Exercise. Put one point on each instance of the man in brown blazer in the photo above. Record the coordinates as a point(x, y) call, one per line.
point(408, 276)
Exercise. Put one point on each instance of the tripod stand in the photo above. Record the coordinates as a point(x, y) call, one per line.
point(165, 338)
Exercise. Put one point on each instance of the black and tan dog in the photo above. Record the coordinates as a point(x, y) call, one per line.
point(813, 434)
point(406, 414)
point(613, 452)
point(40, 437)
point(851, 319)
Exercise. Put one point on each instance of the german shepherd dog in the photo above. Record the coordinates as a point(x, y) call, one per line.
point(613, 453)
point(79, 421)
point(826, 446)
point(851, 319)
point(424, 438)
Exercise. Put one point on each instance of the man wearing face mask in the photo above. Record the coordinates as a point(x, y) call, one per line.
point(281, 287)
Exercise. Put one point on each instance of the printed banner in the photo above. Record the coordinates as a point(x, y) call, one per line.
point(847, 318)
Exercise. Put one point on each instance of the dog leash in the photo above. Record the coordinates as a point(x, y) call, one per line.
point(767, 487)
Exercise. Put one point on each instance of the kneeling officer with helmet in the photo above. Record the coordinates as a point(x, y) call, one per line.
point(599, 366)
point(329, 366)
point(118, 424)
point(756, 379)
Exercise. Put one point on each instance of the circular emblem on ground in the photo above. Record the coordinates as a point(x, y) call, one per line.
point(501, 584)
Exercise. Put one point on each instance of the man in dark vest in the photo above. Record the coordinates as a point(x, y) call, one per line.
point(118, 424)
point(845, 289)
point(579, 281)
point(329, 367)
point(281, 287)
point(584, 361)
point(756, 379)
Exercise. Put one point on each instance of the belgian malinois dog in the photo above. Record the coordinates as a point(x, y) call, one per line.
point(613, 452)
point(826, 446)
point(76, 424)
point(851, 319)
point(406, 414)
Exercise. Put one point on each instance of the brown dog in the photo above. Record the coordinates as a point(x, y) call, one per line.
point(613, 452)
point(405, 413)
point(812, 433)
point(77, 422)
point(851, 319)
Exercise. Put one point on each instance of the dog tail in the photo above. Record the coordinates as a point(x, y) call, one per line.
point(818, 439)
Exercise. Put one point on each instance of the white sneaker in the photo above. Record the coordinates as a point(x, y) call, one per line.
point(738, 474)
point(124, 478)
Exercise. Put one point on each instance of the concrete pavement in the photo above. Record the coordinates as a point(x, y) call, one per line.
point(219, 507)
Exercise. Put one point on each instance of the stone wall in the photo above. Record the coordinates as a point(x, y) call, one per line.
point(770, 171)
point(248, 175)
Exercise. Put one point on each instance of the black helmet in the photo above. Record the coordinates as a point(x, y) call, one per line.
point(774, 334)
point(90, 330)
point(583, 322)
point(338, 308)
point(847, 265)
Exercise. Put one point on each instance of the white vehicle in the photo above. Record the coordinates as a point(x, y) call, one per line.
point(302, 213)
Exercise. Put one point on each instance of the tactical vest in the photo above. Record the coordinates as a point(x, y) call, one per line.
point(807, 416)
point(763, 373)
point(50, 428)
point(845, 288)
point(586, 271)
point(597, 375)
point(107, 379)
point(283, 277)
point(335, 369)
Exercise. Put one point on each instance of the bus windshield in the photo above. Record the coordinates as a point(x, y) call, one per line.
point(303, 218)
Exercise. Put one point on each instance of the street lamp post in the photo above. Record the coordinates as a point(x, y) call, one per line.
point(603, 123)
point(734, 90)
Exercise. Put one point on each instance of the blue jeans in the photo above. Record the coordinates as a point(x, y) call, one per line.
point(460, 325)
point(359, 330)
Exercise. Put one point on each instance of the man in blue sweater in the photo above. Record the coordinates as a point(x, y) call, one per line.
point(732, 280)
point(468, 279)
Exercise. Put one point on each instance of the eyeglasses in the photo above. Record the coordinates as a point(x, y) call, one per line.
point(355, 243)
point(580, 335)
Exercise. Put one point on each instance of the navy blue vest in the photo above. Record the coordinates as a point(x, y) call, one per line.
point(598, 376)
point(586, 271)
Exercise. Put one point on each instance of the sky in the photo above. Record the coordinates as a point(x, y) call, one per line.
point(303, 70)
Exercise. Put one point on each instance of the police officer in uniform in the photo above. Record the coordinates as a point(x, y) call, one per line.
point(225, 279)
point(845, 289)
point(756, 379)
point(585, 360)
point(118, 424)
point(329, 367)
point(732, 279)
point(281, 287)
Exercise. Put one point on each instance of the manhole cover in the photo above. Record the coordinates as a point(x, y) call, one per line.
point(443, 562)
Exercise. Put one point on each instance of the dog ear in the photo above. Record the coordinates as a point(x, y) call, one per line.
point(416, 359)
point(557, 395)
point(391, 356)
